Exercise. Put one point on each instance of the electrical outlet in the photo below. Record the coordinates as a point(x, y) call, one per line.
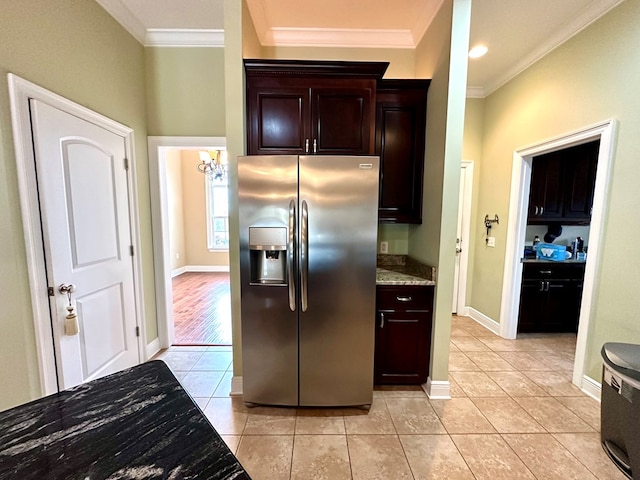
point(491, 241)
point(384, 247)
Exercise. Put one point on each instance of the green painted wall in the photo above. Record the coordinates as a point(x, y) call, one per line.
point(75, 49)
point(251, 47)
point(472, 152)
point(185, 91)
point(590, 78)
point(397, 235)
point(442, 56)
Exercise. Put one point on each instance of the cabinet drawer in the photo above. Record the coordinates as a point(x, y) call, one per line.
point(543, 271)
point(406, 297)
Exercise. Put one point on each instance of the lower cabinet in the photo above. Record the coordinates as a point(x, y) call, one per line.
point(403, 334)
point(550, 297)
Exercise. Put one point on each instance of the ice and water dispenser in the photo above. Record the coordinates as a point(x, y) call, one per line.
point(268, 255)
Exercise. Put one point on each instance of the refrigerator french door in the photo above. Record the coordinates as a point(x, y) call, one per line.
point(308, 235)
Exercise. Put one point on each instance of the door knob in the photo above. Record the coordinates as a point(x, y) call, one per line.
point(67, 288)
point(71, 325)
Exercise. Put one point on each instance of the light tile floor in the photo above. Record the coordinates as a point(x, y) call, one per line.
point(514, 414)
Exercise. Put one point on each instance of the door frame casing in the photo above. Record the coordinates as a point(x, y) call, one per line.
point(160, 222)
point(20, 91)
point(517, 224)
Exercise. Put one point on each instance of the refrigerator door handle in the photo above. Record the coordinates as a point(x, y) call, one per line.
point(291, 256)
point(304, 254)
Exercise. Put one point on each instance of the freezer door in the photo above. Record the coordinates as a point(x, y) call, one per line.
point(338, 234)
point(267, 197)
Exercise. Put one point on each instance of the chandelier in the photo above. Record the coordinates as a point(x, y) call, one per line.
point(213, 163)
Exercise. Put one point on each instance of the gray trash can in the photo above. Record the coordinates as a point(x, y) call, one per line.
point(620, 406)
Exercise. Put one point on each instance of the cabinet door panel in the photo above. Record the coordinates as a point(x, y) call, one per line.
point(342, 120)
point(533, 305)
point(547, 188)
point(278, 121)
point(400, 142)
point(562, 308)
point(549, 306)
point(400, 349)
point(581, 169)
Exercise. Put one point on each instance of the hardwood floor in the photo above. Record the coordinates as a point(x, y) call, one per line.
point(202, 308)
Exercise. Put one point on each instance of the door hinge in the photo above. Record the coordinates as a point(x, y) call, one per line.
point(131, 250)
point(50, 291)
point(126, 163)
point(137, 331)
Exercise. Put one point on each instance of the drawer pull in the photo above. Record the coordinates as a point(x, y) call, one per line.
point(545, 272)
point(381, 319)
point(404, 299)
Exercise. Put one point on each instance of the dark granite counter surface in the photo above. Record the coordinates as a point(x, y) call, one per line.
point(135, 424)
point(403, 270)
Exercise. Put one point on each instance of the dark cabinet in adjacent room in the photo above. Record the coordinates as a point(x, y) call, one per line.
point(550, 297)
point(401, 107)
point(298, 107)
point(403, 334)
point(562, 185)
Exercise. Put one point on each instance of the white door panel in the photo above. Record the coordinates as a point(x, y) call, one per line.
point(103, 328)
point(92, 199)
point(82, 184)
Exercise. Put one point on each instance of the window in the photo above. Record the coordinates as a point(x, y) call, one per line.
point(217, 212)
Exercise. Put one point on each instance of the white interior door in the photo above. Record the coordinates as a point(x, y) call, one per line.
point(456, 272)
point(82, 184)
point(462, 235)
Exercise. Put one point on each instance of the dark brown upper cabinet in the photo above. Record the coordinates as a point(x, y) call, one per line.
point(562, 185)
point(401, 108)
point(298, 107)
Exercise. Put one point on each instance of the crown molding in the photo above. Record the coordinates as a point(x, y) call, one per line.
point(338, 37)
point(165, 37)
point(475, 92)
point(588, 16)
point(424, 20)
point(124, 17)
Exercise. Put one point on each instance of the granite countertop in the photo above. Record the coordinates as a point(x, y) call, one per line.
point(403, 270)
point(137, 423)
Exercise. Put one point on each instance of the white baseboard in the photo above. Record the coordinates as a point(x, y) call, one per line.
point(153, 348)
point(199, 268)
point(591, 387)
point(207, 268)
point(236, 387)
point(178, 271)
point(437, 389)
point(487, 322)
point(464, 312)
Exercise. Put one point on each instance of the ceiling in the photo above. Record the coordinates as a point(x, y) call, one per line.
point(517, 32)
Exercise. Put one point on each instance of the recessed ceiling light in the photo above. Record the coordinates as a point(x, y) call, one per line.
point(478, 51)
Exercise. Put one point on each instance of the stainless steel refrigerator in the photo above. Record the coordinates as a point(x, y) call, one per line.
point(308, 234)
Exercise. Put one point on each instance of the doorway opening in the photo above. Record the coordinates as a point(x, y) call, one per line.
point(202, 309)
point(517, 226)
point(192, 275)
